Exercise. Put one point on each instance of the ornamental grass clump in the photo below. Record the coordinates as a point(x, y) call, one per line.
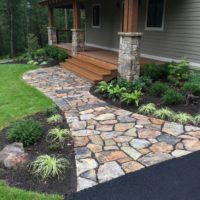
point(26, 131)
point(55, 119)
point(147, 109)
point(164, 113)
point(46, 166)
point(183, 118)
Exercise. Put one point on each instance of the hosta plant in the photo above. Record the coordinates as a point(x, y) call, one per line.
point(57, 135)
point(132, 98)
point(147, 109)
point(183, 118)
point(54, 119)
point(164, 113)
point(197, 119)
point(115, 92)
point(46, 166)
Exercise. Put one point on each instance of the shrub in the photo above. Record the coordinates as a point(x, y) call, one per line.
point(197, 119)
point(179, 72)
point(46, 166)
point(57, 135)
point(164, 113)
point(55, 119)
point(193, 87)
point(133, 97)
point(32, 43)
point(102, 87)
point(147, 109)
point(158, 89)
point(56, 53)
point(172, 97)
point(26, 131)
point(153, 71)
point(115, 92)
point(52, 111)
point(40, 52)
point(183, 118)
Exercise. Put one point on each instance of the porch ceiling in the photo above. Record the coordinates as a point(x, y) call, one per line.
point(57, 3)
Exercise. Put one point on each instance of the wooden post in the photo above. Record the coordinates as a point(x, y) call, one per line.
point(50, 17)
point(130, 15)
point(76, 14)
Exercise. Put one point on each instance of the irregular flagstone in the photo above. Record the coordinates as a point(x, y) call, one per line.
point(173, 128)
point(90, 120)
point(132, 166)
point(109, 171)
point(154, 158)
point(131, 152)
point(140, 143)
point(148, 133)
point(107, 156)
point(83, 183)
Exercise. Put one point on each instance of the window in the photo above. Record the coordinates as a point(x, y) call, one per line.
point(155, 14)
point(96, 16)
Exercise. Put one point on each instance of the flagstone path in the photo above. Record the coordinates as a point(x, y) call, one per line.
point(110, 142)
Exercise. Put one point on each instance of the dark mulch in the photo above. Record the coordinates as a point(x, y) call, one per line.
point(22, 178)
point(191, 109)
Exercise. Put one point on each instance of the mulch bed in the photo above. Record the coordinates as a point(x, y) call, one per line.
point(192, 109)
point(22, 178)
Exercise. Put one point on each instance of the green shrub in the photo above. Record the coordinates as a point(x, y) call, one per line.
point(153, 71)
point(197, 119)
point(56, 53)
point(164, 113)
point(133, 97)
point(52, 111)
point(40, 52)
point(172, 97)
point(183, 118)
point(193, 87)
point(32, 43)
point(102, 87)
point(55, 119)
point(46, 166)
point(158, 89)
point(115, 92)
point(147, 109)
point(26, 131)
point(179, 72)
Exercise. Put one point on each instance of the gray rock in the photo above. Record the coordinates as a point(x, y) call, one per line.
point(139, 143)
point(125, 119)
point(82, 152)
point(169, 139)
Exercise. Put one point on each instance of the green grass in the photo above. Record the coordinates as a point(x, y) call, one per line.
point(8, 193)
point(18, 99)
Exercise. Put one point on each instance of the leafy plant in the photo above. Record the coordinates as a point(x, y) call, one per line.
point(46, 166)
point(26, 131)
point(153, 71)
point(32, 43)
point(115, 92)
point(133, 97)
point(57, 135)
point(55, 119)
point(56, 53)
point(183, 118)
point(197, 119)
point(164, 113)
point(179, 72)
point(52, 111)
point(172, 97)
point(147, 109)
point(102, 87)
point(158, 89)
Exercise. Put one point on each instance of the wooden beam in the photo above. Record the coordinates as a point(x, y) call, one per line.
point(76, 14)
point(50, 17)
point(130, 15)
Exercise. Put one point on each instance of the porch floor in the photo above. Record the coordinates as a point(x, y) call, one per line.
point(103, 55)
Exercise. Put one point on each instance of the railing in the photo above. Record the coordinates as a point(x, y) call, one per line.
point(64, 36)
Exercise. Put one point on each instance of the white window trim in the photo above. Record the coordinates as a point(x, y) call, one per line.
point(93, 5)
point(163, 19)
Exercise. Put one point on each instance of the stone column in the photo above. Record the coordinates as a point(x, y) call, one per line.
point(129, 55)
point(52, 36)
point(78, 41)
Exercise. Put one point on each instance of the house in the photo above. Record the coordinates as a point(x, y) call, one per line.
point(121, 35)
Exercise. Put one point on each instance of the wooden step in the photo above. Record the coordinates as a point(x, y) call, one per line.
point(97, 62)
point(94, 78)
point(89, 67)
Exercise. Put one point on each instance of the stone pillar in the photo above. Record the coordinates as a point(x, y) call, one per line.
point(129, 55)
point(78, 41)
point(52, 36)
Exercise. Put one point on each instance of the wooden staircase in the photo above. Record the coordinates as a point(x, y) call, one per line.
point(93, 69)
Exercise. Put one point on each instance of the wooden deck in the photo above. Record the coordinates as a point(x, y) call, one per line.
point(95, 64)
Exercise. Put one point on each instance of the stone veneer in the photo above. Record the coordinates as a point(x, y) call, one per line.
point(78, 41)
point(52, 36)
point(129, 55)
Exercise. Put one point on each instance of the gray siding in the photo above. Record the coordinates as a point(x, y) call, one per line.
point(181, 34)
point(107, 34)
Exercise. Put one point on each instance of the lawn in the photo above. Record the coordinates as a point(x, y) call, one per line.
point(17, 99)
point(7, 193)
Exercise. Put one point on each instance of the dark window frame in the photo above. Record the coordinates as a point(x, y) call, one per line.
point(94, 24)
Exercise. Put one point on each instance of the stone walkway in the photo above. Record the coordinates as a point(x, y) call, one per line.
point(110, 142)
